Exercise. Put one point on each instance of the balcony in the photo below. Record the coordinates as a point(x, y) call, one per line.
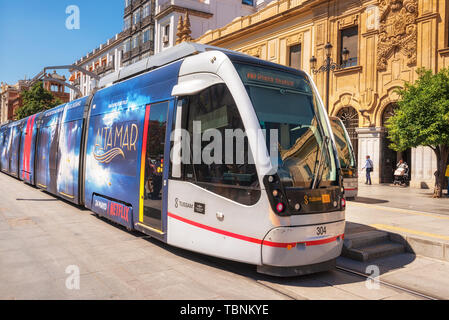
point(99, 70)
point(128, 10)
point(147, 21)
point(126, 56)
point(137, 3)
point(109, 66)
point(135, 51)
point(104, 68)
point(136, 27)
point(147, 46)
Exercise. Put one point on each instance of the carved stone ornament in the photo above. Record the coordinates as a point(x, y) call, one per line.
point(398, 31)
point(255, 52)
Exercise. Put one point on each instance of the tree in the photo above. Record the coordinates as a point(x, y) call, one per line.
point(35, 100)
point(422, 119)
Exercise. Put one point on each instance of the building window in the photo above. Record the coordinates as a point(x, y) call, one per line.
point(135, 41)
point(167, 30)
point(166, 36)
point(136, 16)
point(127, 24)
point(247, 2)
point(127, 46)
point(294, 56)
point(148, 35)
point(350, 40)
point(127, 3)
point(146, 10)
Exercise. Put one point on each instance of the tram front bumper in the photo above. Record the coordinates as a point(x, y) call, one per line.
point(303, 245)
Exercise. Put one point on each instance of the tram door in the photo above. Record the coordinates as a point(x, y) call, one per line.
point(153, 148)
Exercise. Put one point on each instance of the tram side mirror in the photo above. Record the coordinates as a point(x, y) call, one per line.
point(177, 141)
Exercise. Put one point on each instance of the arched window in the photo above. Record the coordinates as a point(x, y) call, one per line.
point(388, 113)
point(350, 118)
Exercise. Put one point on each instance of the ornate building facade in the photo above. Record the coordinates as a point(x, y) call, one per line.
point(376, 46)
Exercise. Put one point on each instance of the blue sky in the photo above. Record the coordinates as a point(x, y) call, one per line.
point(33, 33)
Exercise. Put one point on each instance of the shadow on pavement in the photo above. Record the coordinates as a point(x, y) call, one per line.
point(323, 279)
point(368, 200)
point(19, 199)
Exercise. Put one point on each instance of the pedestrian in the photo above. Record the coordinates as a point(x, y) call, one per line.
point(447, 175)
point(369, 166)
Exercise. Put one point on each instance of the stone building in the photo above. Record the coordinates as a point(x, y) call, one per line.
point(377, 45)
point(138, 30)
point(203, 15)
point(133, 43)
point(150, 26)
point(102, 60)
point(11, 100)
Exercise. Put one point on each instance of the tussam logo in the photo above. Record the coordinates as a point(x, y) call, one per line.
point(179, 203)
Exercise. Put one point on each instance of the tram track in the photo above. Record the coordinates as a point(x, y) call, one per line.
point(278, 285)
point(388, 284)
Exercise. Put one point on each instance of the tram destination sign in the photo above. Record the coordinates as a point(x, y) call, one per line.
point(277, 78)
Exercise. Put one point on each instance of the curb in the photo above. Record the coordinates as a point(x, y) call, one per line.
point(421, 246)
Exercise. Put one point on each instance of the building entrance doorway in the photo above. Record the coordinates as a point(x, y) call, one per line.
point(390, 158)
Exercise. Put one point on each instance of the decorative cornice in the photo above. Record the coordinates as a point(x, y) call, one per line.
point(174, 8)
point(428, 16)
point(444, 52)
point(347, 70)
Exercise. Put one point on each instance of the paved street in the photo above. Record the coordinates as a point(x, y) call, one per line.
point(40, 236)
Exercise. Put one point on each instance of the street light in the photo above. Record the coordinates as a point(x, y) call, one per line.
point(329, 66)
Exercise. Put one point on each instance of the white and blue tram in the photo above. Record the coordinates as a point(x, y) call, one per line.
point(138, 152)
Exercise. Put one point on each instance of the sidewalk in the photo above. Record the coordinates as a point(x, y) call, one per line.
point(411, 215)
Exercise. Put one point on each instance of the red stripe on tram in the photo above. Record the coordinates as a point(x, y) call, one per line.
point(26, 149)
point(29, 146)
point(254, 240)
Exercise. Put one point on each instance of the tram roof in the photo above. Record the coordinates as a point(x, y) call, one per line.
point(165, 57)
point(179, 52)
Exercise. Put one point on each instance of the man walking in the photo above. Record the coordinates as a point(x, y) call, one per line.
point(369, 168)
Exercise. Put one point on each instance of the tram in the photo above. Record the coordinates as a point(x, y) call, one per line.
point(138, 152)
point(346, 157)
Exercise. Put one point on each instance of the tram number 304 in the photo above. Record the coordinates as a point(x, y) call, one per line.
point(321, 231)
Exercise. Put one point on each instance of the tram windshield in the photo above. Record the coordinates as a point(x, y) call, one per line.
point(344, 148)
point(287, 108)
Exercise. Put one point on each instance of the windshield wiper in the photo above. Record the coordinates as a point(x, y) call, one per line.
point(324, 146)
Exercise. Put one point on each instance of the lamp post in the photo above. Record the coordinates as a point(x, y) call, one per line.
point(328, 66)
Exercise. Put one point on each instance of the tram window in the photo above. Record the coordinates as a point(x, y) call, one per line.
point(223, 163)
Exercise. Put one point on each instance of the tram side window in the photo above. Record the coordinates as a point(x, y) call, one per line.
point(222, 163)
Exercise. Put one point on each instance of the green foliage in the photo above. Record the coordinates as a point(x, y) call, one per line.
point(35, 100)
point(422, 117)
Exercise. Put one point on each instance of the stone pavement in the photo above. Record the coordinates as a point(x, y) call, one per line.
point(411, 215)
point(414, 218)
point(40, 236)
